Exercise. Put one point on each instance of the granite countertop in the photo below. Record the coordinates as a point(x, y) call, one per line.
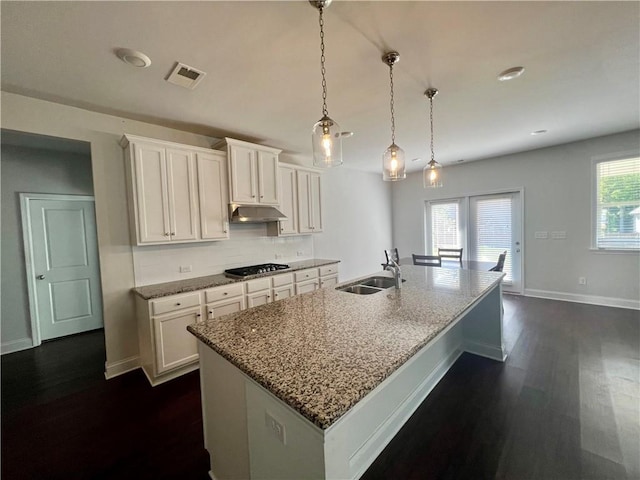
point(323, 351)
point(158, 290)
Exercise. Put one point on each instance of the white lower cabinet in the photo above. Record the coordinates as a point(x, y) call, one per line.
point(225, 300)
point(167, 349)
point(328, 275)
point(258, 292)
point(307, 281)
point(283, 286)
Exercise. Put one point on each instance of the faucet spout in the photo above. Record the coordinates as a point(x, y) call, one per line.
point(393, 267)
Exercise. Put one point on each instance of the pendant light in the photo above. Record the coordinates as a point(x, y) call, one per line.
point(326, 137)
point(432, 173)
point(393, 168)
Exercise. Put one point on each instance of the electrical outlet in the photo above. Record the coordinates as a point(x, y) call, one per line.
point(582, 280)
point(299, 254)
point(185, 268)
point(275, 427)
point(278, 256)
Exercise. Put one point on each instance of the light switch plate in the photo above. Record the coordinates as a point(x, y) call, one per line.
point(542, 235)
point(559, 235)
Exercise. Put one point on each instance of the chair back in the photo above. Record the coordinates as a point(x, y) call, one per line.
point(392, 254)
point(454, 253)
point(427, 260)
point(500, 265)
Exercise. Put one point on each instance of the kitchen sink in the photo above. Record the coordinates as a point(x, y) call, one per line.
point(360, 289)
point(369, 286)
point(379, 282)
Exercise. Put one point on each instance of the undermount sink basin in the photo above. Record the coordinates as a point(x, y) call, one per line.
point(360, 289)
point(379, 282)
point(368, 286)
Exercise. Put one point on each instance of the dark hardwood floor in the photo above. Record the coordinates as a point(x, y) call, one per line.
point(565, 405)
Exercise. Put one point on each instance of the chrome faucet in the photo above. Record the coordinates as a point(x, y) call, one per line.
point(393, 266)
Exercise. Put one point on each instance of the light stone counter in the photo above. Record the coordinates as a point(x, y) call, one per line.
point(322, 352)
point(158, 290)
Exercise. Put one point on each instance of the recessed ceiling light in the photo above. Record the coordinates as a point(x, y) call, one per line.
point(418, 159)
point(539, 132)
point(346, 134)
point(461, 160)
point(133, 57)
point(511, 73)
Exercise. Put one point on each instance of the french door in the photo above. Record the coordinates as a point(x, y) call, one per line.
point(484, 226)
point(495, 226)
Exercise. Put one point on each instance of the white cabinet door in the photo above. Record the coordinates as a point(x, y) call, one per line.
point(181, 186)
point(175, 346)
point(212, 192)
point(151, 196)
point(243, 174)
point(304, 202)
point(258, 298)
point(307, 286)
point(315, 196)
point(288, 201)
point(280, 293)
point(268, 178)
point(328, 282)
point(225, 307)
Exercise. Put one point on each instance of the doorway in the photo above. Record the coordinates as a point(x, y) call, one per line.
point(484, 226)
point(61, 261)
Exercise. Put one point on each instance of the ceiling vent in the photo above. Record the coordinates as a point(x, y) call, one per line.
point(185, 76)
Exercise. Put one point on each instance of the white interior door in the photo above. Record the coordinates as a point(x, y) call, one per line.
point(495, 225)
point(62, 260)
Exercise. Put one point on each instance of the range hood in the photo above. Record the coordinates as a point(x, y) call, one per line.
point(254, 213)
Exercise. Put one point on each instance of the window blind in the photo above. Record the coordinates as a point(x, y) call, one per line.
point(445, 221)
point(617, 222)
point(493, 231)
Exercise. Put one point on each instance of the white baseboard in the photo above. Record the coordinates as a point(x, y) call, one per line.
point(16, 345)
point(590, 299)
point(484, 350)
point(121, 366)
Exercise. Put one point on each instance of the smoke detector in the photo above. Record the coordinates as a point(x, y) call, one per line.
point(185, 76)
point(133, 57)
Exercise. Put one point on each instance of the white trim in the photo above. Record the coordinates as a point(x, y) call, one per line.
point(16, 345)
point(485, 350)
point(615, 251)
point(579, 298)
point(25, 199)
point(121, 366)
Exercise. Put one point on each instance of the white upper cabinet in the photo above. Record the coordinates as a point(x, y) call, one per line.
point(177, 193)
point(253, 173)
point(213, 194)
point(288, 201)
point(309, 202)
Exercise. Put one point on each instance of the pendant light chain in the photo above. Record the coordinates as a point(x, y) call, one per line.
point(431, 122)
point(393, 120)
point(325, 111)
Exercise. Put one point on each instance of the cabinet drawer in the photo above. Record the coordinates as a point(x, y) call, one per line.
point(175, 302)
point(329, 270)
point(227, 291)
point(258, 284)
point(303, 275)
point(284, 279)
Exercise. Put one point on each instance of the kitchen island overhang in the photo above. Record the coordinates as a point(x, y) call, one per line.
point(317, 385)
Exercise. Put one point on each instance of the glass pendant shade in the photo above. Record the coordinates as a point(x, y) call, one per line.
point(432, 175)
point(393, 167)
point(327, 143)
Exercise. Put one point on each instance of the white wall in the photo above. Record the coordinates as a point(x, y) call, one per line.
point(357, 219)
point(27, 170)
point(557, 196)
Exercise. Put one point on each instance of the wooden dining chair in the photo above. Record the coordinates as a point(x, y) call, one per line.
point(500, 265)
point(427, 260)
point(451, 253)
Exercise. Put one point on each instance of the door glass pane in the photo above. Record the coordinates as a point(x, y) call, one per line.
point(445, 219)
point(492, 231)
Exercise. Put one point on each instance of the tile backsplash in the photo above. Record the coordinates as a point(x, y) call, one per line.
point(247, 245)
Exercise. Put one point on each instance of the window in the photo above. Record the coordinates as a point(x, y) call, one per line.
point(617, 212)
point(445, 221)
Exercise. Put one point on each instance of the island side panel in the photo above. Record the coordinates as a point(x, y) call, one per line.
point(483, 327)
point(224, 416)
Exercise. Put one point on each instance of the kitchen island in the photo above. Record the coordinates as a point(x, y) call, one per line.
point(315, 386)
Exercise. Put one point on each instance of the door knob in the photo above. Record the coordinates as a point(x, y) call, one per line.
point(41, 277)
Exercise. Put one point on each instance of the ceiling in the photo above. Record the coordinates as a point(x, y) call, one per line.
point(581, 80)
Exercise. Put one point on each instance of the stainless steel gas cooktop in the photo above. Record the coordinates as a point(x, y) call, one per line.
point(254, 270)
